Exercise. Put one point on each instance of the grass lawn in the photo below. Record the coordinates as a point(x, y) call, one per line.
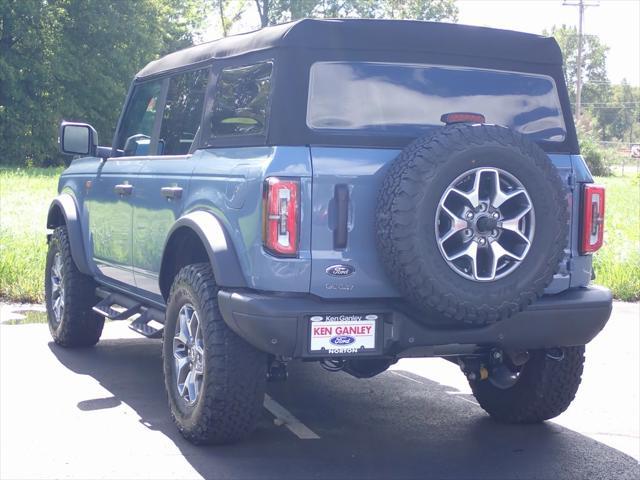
point(617, 264)
point(25, 195)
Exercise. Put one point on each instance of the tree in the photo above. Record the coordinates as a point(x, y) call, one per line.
point(27, 34)
point(278, 11)
point(627, 103)
point(229, 12)
point(596, 87)
point(74, 59)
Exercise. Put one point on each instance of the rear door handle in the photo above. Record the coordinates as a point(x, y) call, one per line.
point(123, 189)
point(171, 192)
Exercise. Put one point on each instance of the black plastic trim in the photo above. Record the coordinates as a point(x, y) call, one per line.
point(278, 324)
point(218, 244)
point(341, 196)
point(66, 205)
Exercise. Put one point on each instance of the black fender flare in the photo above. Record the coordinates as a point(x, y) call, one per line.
point(64, 211)
point(217, 243)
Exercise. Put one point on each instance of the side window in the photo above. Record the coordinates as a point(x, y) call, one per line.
point(241, 101)
point(137, 124)
point(182, 112)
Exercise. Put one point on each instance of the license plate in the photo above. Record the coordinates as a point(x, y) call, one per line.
point(343, 333)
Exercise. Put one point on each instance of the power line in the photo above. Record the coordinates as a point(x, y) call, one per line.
point(581, 4)
point(609, 103)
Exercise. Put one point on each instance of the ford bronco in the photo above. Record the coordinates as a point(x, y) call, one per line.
point(349, 192)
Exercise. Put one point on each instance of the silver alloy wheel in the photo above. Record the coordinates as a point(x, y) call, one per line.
point(485, 224)
point(188, 354)
point(57, 288)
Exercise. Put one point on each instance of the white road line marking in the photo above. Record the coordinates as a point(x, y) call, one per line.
point(467, 400)
point(408, 378)
point(292, 423)
point(457, 394)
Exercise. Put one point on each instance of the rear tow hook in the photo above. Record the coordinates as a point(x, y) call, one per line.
point(277, 371)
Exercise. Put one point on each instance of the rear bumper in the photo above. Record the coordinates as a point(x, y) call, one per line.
point(279, 324)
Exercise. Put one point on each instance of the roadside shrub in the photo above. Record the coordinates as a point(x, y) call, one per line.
point(597, 157)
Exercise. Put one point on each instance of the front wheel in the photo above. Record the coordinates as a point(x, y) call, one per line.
point(215, 381)
point(541, 389)
point(69, 297)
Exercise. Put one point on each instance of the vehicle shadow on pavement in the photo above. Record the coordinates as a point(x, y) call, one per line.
point(382, 428)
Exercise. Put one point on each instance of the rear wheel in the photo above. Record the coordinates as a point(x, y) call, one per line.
point(539, 390)
point(69, 297)
point(215, 381)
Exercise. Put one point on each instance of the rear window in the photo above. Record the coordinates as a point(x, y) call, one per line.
point(402, 99)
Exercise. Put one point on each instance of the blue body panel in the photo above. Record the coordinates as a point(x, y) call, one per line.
point(363, 171)
point(125, 236)
point(228, 182)
point(154, 214)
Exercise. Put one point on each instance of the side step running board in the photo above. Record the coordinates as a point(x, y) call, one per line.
point(141, 324)
point(105, 309)
point(148, 321)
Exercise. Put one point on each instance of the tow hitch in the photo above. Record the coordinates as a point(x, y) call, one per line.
point(501, 368)
point(277, 371)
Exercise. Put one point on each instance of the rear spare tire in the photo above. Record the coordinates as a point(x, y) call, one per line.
point(471, 224)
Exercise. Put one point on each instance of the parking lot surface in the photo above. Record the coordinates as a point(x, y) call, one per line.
point(102, 413)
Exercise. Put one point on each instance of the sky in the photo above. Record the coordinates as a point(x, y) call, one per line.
point(616, 22)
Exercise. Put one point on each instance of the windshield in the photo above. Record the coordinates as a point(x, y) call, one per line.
point(403, 99)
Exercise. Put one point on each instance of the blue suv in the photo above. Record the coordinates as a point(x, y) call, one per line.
point(350, 192)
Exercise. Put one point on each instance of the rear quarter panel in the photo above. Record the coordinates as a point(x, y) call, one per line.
point(228, 182)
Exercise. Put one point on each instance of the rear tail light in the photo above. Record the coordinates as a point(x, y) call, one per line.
point(592, 218)
point(281, 216)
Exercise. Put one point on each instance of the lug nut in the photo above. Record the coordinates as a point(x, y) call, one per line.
point(481, 241)
point(495, 215)
point(469, 215)
point(494, 233)
point(483, 207)
point(467, 232)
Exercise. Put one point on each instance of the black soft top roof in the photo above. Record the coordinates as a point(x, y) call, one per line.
point(379, 35)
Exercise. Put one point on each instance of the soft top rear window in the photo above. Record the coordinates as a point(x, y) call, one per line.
point(403, 99)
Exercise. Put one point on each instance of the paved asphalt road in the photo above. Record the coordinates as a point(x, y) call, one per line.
point(102, 413)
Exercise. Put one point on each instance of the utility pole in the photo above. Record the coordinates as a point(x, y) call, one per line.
point(581, 4)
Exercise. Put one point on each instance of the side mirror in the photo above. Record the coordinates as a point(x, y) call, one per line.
point(137, 145)
point(78, 139)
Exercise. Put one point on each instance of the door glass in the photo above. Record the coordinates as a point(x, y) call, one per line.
point(135, 134)
point(241, 101)
point(181, 117)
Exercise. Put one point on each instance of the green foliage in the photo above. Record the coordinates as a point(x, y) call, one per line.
point(615, 109)
point(617, 264)
point(74, 60)
point(594, 63)
point(229, 12)
point(595, 156)
point(627, 100)
point(25, 195)
point(278, 11)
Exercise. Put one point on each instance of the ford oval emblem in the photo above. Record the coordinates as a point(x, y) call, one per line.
point(342, 340)
point(340, 270)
